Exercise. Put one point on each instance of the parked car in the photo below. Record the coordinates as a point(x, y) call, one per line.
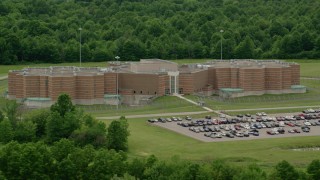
point(151, 120)
point(271, 132)
point(163, 120)
point(291, 131)
point(296, 130)
point(281, 130)
point(188, 118)
point(305, 129)
point(229, 135)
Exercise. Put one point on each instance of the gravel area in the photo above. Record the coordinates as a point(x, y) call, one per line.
point(173, 126)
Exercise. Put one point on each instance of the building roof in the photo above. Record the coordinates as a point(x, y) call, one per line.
point(248, 63)
point(62, 71)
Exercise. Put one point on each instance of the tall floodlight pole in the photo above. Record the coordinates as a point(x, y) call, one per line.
point(80, 29)
point(221, 31)
point(117, 89)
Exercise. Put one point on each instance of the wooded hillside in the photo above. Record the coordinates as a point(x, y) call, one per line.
point(48, 30)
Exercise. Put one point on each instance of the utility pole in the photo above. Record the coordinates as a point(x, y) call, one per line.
point(221, 31)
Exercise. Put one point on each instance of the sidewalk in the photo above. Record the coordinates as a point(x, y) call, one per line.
point(3, 77)
point(153, 115)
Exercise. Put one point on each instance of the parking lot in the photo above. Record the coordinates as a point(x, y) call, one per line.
point(244, 127)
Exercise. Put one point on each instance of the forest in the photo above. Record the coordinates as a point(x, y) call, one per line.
point(48, 31)
point(63, 142)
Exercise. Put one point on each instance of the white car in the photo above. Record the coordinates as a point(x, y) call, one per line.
point(307, 123)
point(311, 110)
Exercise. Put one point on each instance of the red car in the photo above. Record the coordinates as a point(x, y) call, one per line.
point(290, 124)
point(296, 130)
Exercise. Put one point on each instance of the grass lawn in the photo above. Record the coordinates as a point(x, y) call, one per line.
point(164, 104)
point(146, 139)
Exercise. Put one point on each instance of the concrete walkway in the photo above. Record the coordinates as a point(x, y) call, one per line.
point(153, 115)
point(3, 77)
point(191, 101)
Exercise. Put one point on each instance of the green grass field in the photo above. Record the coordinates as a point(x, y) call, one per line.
point(146, 139)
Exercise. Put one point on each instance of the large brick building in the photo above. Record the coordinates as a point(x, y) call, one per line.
point(137, 82)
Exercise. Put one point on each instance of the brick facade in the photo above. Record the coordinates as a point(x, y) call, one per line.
point(94, 83)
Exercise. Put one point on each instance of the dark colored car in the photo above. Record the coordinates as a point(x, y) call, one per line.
point(305, 129)
point(281, 130)
point(229, 135)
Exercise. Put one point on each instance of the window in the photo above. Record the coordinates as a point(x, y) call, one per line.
point(140, 92)
point(134, 92)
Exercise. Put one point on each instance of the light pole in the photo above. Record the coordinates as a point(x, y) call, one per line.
point(117, 87)
point(80, 29)
point(221, 31)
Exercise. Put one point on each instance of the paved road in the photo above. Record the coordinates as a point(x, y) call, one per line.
point(274, 108)
point(153, 115)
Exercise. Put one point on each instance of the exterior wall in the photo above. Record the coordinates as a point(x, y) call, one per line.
point(99, 86)
point(31, 86)
point(295, 74)
point(110, 83)
point(273, 78)
point(211, 77)
point(251, 79)
point(286, 78)
point(140, 84)
point(12, 81)
point(234, 77)
point(58, 85)
point(84, 87)
point(222, 78)
point(43, 86)
point(200, 80)
point(161, 85)
point(186, 83)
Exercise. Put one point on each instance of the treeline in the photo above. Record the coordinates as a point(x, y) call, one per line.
point(64, 160)
point(48, 30)
point(62, 121)
point(65, 143)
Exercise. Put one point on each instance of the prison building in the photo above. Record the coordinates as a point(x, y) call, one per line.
point(139, 82)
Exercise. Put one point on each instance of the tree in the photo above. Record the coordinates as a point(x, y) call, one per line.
point(59, 127)
point(26, 161)
point(63, 105)
point(91, 132)
point(25, 131)
point(252, 172)
point(245, 50)
point(314, 169)
point(63, 119)
point(285, 171)
point(11, 110)
point(39, 118)
point(106, 164)
point(6, 131)
point(1, 116)
point(118, 133)
point(136, 168)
